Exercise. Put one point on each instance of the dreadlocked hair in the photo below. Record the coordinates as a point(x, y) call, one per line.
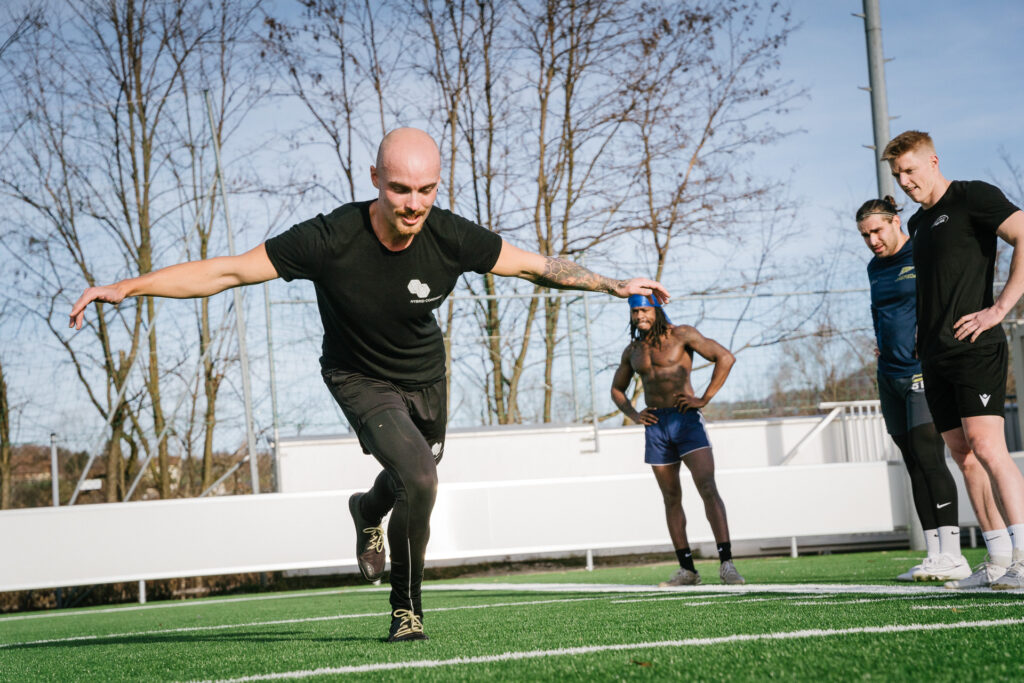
point(886, 206)
point(657, 332)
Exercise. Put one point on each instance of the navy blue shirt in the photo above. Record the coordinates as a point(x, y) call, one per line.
point(894, 311)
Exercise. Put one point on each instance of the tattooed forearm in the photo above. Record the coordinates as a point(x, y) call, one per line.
point(561, 274)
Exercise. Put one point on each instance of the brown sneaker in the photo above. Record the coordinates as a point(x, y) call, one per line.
point(682, 577)
point(369, 542)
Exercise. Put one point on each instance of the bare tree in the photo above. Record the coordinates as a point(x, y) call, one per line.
point(97, 173)
point(329, 60)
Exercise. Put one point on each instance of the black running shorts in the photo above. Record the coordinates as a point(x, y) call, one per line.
point(966, 385)
point(903, 403)
point(361, 397)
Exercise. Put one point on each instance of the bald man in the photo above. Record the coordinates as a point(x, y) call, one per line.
point(380, 268)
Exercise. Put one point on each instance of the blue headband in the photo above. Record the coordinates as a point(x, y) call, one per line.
point(641, 301)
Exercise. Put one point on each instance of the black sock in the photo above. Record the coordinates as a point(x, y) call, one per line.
point(725, 551)
point(685, 559)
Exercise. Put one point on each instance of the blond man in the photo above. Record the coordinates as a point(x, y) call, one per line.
point(961, 343)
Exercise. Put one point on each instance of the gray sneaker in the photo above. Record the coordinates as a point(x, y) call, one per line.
point(727, 572)
point(983, 576)
point(682, 577)
point(1013, 579)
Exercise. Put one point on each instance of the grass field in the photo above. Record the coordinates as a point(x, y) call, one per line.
point(819, 617)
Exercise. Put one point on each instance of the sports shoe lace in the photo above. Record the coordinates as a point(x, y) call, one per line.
point(410, 622)
point(376, 540)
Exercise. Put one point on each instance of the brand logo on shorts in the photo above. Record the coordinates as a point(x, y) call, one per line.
point(984, 398)
point(940, 220)
point(939, 506)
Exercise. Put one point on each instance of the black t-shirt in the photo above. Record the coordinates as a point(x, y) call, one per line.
point(955, 257)
point(377, 305)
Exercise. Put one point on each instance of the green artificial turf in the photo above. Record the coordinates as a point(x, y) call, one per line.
point(570, 634)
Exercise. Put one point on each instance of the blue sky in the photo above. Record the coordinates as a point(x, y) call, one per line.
point(957, 72)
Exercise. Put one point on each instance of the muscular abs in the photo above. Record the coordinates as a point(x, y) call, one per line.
point(664, 370)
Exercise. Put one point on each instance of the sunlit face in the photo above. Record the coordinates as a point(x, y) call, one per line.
point(917, 173)
point(642, 317)
point(407, 179)
point(882, 234)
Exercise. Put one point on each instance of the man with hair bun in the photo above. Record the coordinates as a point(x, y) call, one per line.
point(662, 354)
point(901, 391)
point(960, 341)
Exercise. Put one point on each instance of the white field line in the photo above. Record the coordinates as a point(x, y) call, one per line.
point(957, 608)
point(702, 602)
point(600, 594)
point(808, 588)
point(690, 642)
point(797, 600)
point(525, 587)
point(277, 622)
point(181, 603)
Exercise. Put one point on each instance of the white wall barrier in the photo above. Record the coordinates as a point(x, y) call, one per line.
point(506, 493)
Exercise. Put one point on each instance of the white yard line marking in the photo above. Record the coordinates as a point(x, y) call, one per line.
point(702, 602)
point(183, 603)
point(526, 587)
point(809, 588)
point(561, 652)
point(961, 606)
point(277, 622)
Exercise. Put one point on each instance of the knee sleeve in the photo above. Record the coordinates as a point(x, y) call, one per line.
point(929, 452)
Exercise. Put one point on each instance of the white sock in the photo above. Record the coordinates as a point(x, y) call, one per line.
point(999, 546)
point(1016, 535)
point(931, 542)
point(949, 540)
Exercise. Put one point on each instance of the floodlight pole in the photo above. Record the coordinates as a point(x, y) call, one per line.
point(54, 471)
point(876, 86)
point(243, 352)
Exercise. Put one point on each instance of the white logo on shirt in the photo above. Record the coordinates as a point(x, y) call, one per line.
point(984, 398)
point(419, 289)
point(940, 220)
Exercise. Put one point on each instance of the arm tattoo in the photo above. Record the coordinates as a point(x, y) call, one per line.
point(562, 274)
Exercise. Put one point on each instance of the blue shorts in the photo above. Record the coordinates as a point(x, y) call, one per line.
point(674, 436)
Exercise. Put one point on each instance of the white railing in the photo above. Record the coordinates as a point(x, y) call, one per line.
point(865, 438)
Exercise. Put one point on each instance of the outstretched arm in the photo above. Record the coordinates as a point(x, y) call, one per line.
point(710, 350)
point(620, 382)
point(183, 281)
point(558, 273)
point(973, 324)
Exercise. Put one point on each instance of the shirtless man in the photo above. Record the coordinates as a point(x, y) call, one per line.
point(662, 354)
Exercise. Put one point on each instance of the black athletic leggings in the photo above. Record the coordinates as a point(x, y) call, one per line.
point(930, 480)
point(404, 430)
point(407, 487)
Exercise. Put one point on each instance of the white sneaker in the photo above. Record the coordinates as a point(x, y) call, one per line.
point(1013, 579)
point(983, 576)
point(912, 573)
point(727, 572)
point(946, 567)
